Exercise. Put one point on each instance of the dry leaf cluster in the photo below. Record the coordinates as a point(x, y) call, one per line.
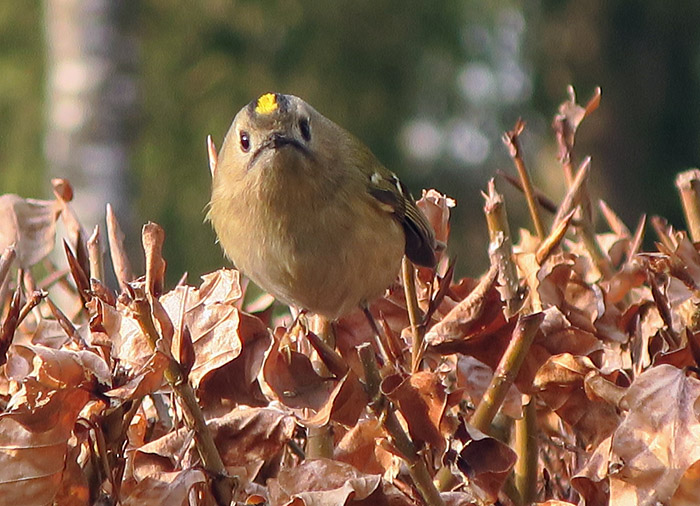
point(568, 374)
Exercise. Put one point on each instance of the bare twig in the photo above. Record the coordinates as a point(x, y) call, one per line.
point(79, 275)
point(333, 361)
point(527, 448)
point(9, 325)
point(554, 238)
point(385, 411)
point(507, 370)
point(566, 123)
point(501, 249)
point(34, 298)
point(319, 442)
point(142, 305)
point(512, 140)
point(194, 418)
point(578, 196)
point(408, 274)
point(574, 195)
point(381, 343)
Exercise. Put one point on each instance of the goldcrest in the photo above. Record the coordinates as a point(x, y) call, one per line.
point(306, 211)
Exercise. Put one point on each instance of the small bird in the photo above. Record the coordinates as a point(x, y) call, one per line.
point(306, 211)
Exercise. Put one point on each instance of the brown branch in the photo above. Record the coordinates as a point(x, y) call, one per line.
point(194, 418)
point(512, 140)
point(501, 249)
point(578, 196)
point(507, 370)
point(319, 443)
point(527, 448)
point(408, 274)
point(384, 410)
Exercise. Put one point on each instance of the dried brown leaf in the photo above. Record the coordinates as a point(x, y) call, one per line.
point(50, 333)
point(35, 443)
point(436, 208)
point(359, 447)
point(57, 369)
point(128, 343)
point(227, 345)
point(353, 329)
point(485, 462)
point(75, 488)
point(237, 380)
point(9, 255)
point(421, 400)
point(120, 260)
point(213, 321)
point(461, 498)
point(477, 313)
point(247, 439)
point(592, 481)
point(344, 405)
point(143, 380)
point(324, 482)
point(659, 440)
point(30, 225)
point(688, 492)
point(173, 488)
point(153, 237)
point(289, 377)
point(623, 282)
point(560, 382)
point(569, 118)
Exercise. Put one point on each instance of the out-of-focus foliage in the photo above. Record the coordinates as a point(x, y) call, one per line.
point(21, 107)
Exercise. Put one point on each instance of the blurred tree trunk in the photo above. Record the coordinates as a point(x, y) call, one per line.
point(91, 95)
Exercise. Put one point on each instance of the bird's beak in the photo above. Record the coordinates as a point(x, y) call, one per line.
point(276, 141)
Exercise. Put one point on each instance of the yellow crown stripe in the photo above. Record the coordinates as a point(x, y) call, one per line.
point(266, 104)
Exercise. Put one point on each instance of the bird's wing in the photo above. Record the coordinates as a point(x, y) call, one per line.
point(395, 198)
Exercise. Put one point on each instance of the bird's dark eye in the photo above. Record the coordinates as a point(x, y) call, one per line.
point(305, 129)
point(245, 141)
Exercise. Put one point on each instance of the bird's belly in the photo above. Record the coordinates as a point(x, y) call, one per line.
point(330, 273)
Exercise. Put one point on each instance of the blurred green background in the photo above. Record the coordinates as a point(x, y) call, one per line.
point(120, 96)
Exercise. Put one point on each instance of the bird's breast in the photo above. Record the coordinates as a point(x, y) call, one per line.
point(311, 247)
